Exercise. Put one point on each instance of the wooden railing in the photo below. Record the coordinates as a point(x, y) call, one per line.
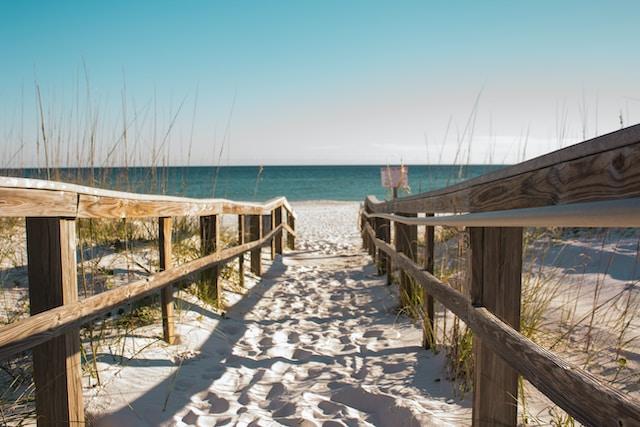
point(592, 184)
point(52, 330)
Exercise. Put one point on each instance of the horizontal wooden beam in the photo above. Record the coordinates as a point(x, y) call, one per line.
point(22, 202)
point(21, 197)
point(575, 390)
point(603, 168)
point(34, 330)
point(610, 213)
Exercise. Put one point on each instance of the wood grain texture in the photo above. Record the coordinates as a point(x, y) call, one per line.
point(51, 252)
point(210, 243)
point(272, 224)
point(619, 213)
point(37, 203)
point(382, 228)
point(241, 239)
point(165, 228)
point(255, 232)
point(576, 391)
point(291, 235)
point(406, 242)
point(277, 220)
point(496, 271)
point(90, 206)
point(428, 332)
point(21, 197)
point(27, 333)
point(600, 169)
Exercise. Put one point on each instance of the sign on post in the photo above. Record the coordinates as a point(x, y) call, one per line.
point(395, 177)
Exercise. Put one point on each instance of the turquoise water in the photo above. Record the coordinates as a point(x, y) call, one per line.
point(259, 184)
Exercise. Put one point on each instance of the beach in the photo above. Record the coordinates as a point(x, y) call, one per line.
point(319, 338)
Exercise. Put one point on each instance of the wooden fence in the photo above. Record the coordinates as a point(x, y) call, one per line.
point(592, 184)
point(52, 330)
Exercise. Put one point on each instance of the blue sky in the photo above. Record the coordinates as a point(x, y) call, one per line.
point(315, 82)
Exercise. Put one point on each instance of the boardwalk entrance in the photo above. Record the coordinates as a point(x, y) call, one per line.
point(316, 340)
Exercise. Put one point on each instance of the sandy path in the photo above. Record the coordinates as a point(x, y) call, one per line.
point(316, 342)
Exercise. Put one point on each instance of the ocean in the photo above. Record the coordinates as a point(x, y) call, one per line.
point(256, 183)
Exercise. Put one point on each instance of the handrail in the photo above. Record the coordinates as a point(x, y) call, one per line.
point(31, 331)
point(558, 379)
point(52, 332)
point(618, 213)
point(592, 184)
point(602, 168)
point(21, 197)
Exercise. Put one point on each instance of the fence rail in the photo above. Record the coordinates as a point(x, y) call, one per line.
point(592, 184)
point(52, 330)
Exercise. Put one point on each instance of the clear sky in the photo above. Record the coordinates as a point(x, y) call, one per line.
point(301, 82)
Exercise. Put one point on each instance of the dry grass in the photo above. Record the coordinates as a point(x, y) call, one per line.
point(577, 311)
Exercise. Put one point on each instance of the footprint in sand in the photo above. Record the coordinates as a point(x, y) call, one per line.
point(266, 342)
point(329, 408)
point(285, 410)
point(217, 404)
point(393, 368)
point(300, 354)
point(374, 333)
point(294, 338)
point(275, 391)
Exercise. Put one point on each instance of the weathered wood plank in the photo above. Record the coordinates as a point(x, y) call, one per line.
point(255, 233)
point(241, 238)
point(406, 243)
point(165, 227)
point(23, 197)
point(277, 220)
point(620, 213)
point(428, 331)
point(210, 243)
point(27, 202)
point(382, 229)
point(37, 329)
point(94, 206)
point(272, 225)
point(496, 271)
point(599, 169)
point(291, 237)
point(51, 252)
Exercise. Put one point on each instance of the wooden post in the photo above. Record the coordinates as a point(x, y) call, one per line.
point(407, 243)
point(291, 239)
point(381, 232)
point(363, 233)
point(53, 281)
point(387, 238)
point(276, 221)
point(371, 245)
point(209, 243)
point(267, 226)
point(428, 332)
point(241, 235)
point(496, 270)
point(166, 294)
point(255, 233)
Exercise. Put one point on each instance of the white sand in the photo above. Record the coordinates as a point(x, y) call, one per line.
point(316, 342)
